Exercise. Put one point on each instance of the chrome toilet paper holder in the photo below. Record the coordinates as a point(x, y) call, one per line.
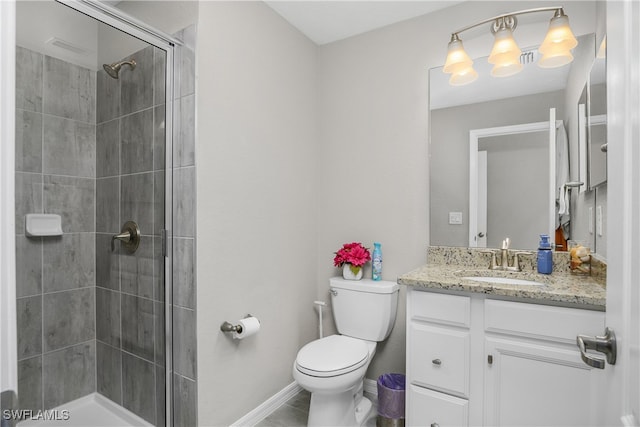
point(230, 327)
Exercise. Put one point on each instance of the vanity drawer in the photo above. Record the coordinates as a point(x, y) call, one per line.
point(445, 309)
point(541, 321)
point(439, 358)
point(430, 408)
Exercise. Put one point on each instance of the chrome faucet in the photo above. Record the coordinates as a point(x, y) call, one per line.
point(504, 258)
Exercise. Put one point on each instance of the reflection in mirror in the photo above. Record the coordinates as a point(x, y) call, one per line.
point(514, 102)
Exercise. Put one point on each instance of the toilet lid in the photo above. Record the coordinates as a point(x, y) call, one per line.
point(331, 356)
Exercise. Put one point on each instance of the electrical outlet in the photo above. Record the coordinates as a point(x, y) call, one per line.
point(455, 218)
point(599, 220)
point(591, 219)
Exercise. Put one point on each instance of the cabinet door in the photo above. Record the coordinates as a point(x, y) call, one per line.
point(535, 384)
point(428, 408)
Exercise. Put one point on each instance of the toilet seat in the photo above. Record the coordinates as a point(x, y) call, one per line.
point(332, 356)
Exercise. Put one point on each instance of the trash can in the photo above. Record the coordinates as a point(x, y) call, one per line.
point(391, 391)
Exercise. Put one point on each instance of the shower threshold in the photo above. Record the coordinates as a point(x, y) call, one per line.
point(93, 410)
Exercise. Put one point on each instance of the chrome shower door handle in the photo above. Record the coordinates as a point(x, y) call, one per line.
point(604, 344)
point(129, 236)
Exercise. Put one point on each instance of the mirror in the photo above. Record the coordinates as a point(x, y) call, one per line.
point(597, 123)
point(521, 99)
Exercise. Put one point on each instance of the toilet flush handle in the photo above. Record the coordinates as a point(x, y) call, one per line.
point(334, 292)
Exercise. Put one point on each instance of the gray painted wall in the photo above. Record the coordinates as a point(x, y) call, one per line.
point(257, 203)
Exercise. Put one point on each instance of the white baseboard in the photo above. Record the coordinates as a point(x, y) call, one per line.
point(268, 406)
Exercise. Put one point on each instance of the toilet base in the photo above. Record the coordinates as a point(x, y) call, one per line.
point(340, 409)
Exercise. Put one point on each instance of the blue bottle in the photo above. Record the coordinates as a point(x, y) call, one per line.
point(545, 256)
point(376, 262)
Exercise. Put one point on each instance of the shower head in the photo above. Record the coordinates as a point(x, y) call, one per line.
point(114, 68)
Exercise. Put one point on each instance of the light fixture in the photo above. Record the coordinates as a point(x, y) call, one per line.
point(505, 54)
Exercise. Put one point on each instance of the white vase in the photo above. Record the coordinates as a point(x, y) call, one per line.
point(348, 274)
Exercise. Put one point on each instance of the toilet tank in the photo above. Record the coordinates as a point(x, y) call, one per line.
point(364, 309)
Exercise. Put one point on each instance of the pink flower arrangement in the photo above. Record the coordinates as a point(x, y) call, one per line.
point(353, 254)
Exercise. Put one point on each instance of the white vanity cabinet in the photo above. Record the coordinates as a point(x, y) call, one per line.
point(472, 360)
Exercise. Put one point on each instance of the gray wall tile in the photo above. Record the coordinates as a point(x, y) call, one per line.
point(136, 142)
point(136, 200)
point(29, 67)
point(184, 200)
point(137, 326)
point(184, 146)
point(68, 262)
point(73, 199)
point(108, 317)
point(108, 205)
point(184, 402)
point(29, 326)
point(184, 281)
point(28, 141)
point(109, 372)
point(69, 374)
point(158, 270)
point(161, 396)
point(137, 85)
point(69, 318)
point(136, 269)
point(160, 331)
point(108, 148)
point(69, 90)
point(28, 197)
point(187, 71)
point(69, 147)
point(159, 131)
point(107, 262)
point(107, 97)
point(159, 74)
point(138, 386)
point(184, 342)
point(28, 266)
point(30, 383)
point(158, 202)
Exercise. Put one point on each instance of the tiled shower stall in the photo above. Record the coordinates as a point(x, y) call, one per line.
point(90, 315)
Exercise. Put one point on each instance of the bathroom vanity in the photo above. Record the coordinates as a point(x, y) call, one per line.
point(487, 353)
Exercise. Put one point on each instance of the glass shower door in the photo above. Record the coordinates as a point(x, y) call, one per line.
point(90, 152)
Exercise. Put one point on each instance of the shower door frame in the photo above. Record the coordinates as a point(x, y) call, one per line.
point(136, 28)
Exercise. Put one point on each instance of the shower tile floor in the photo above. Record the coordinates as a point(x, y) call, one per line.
point(295, 411)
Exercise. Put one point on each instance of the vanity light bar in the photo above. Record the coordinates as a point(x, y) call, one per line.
point(506, 56)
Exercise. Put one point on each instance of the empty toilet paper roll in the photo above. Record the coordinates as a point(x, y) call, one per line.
point(250, 326)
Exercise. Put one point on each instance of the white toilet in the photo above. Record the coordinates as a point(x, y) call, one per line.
point(333, 368)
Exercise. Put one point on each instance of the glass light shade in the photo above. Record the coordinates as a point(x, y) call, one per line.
point(602, 50)
point(457, 59)
point(463, 78)
point(505, 47)
point(559, 37)
point(506, 69)
point(555, 60)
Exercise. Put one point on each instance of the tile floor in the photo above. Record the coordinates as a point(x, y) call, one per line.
point(295, 411)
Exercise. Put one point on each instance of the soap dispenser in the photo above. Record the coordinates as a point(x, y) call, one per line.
point(545, 256)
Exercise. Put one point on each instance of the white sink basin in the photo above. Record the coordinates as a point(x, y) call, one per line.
point(505, 280)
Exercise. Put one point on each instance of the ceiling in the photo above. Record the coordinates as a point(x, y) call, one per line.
point(328, 21)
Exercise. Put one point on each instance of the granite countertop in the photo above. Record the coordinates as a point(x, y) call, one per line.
point(447, 268)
